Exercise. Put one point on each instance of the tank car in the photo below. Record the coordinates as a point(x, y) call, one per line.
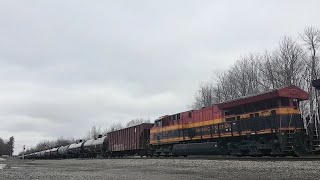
point(71, 151)
point(75, 150)
point(99, 146)
point(53, 153)
point(88, 150)
point(63, 152)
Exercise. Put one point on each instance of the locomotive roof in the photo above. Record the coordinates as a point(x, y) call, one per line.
point(290, 92)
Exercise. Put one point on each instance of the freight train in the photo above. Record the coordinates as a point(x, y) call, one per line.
point(265, 124)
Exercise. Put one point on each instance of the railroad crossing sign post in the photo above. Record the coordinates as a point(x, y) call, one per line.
point(316, 84)
point(24, 148)
point(315, 129)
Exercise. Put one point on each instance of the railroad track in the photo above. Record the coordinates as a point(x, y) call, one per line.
point(218, 157)
point(264, 158)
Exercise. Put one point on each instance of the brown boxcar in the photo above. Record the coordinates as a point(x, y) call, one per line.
point(130, 141)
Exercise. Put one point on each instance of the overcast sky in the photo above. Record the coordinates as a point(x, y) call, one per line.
point(68, 65)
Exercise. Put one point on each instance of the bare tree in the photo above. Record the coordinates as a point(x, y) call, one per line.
point(11, 145)
point(267, 68)
point(290, 60)
point(311, 38)
point(48, 144)
point(204, 97)
point(63, 141)
point(226, 83)
point(137, 121)
point(43, 145)
point(245, 75)
point(93, 133)
point(114, 127)
point(2, 147)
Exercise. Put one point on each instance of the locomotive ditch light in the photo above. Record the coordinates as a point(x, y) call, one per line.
point(316, 84)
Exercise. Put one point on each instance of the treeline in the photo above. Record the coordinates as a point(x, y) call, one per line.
point(294, 62)
point(46, 144)
point(6, 147)
point(93, 133)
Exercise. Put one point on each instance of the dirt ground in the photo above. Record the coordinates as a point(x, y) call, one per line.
point(155, 169)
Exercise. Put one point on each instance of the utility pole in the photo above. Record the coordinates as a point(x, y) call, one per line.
point(315, 121)
point(316, 84)
point(24, 148)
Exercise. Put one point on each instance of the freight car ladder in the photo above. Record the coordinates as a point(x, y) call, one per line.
point(289, 141)
point(288, 147)
point(315, 137)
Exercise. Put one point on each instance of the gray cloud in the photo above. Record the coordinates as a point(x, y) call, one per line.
point(66, 65)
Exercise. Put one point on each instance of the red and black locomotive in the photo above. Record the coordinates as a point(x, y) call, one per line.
point(269, 123)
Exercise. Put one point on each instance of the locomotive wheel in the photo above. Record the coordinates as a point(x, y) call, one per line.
point(254, 152)
point(236, 152)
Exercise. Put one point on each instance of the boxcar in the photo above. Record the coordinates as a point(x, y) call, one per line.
point(130, 141)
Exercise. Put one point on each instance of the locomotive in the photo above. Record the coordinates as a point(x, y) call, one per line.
point(265, 124)
point(269, 123)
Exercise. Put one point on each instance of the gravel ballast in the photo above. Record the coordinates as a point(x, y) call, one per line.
point(158, 169)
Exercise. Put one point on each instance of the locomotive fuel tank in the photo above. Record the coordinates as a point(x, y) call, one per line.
point(206, 148)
